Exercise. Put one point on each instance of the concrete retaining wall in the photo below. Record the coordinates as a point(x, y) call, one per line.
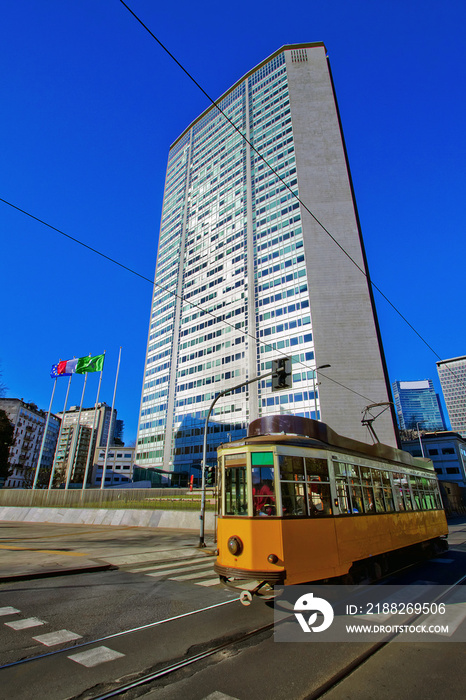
point(178, 519)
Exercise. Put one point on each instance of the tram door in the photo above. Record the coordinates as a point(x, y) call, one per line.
point(236, 498)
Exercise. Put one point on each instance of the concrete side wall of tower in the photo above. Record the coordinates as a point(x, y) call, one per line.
point(343, 322)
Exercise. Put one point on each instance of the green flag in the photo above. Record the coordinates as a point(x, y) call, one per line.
point(90, 364)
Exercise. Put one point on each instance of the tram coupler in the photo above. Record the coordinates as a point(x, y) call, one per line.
point(247, 595)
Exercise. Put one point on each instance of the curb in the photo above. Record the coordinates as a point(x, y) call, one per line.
point(57, 572)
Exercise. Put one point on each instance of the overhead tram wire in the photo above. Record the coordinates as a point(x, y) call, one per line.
point(153, 283)
point(296, 196)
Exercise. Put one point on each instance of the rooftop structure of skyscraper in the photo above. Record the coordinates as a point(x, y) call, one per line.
point(246, 274)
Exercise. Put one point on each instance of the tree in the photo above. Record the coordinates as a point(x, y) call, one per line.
point(6, 441)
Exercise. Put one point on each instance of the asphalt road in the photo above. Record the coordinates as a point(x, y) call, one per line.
point(165, 600)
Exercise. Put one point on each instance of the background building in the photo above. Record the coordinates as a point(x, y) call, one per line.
point(73, 445)
point(245, 274)
point(119, 466)
point(452, 375)
point(447, 450)
point(29, 423)
point(417, 403)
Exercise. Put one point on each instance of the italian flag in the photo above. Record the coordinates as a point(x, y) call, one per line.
point(90, 364)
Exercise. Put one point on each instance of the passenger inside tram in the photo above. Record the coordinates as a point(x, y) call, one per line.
point(263, 491)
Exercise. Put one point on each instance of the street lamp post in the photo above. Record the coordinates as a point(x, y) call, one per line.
point(316, 384)
point(419, 435)
point(204, 449)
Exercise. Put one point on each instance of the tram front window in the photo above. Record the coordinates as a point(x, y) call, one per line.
point(236, 499)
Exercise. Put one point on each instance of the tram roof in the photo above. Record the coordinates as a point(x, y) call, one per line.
point(300, 431)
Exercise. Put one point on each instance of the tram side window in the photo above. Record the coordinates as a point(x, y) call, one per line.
point(263, 489)
point(416, 485)
point(425, 493)
point(292, 486)
point(367, 489)
point(349, 488)
point(377, 484)
point(291, 468)
point(398, 491)
point(236, 500)
point(429, 488)
point(293, 499)
point(406, 492)
point(436, 492)
point(319, 497)
point(387, 492)
point(356, 496)
point(344, 502)
point(318, 488)
point(309, 498)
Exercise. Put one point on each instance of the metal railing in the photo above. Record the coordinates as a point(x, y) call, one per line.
point(150, 499)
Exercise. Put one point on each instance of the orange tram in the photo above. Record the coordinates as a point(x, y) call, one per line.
point(300, 503)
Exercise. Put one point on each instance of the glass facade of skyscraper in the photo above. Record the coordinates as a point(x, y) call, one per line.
point(232, 285)
point(417, 404)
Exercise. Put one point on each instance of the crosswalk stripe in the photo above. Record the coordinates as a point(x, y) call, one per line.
point(25, 624)
point(203, 569)
point(209, 582)
point(162, 567)
point(8, 611)
point(187, 570)
point(189, 577)
point(96, 656)
point(59, 637)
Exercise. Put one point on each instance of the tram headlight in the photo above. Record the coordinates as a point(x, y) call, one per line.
point(272, 558)
point(235, 545)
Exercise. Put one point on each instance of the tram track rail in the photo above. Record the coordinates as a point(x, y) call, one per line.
point(114, 635)
point(360, 660)
point(316, 694)
point(180, 664)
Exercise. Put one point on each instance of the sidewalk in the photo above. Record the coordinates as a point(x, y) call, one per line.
point(38, 550)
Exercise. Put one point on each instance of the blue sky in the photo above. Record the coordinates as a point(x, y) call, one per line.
point(90, 105)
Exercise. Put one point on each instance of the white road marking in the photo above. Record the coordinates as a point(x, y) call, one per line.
point(8, 611)
point(189, 562)
point(163, 553)
point(59, 637)
point(204, 569)
point(94, 657)
point(217, 695)
point(178, 567)
point(209, 582)
point(189, 577)
point(25, 624)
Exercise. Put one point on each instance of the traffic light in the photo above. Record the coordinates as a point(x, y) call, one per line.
point(281, 377)
point(210, 476)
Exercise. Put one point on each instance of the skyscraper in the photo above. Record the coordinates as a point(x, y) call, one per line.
point(246, 274)
point(452, 375)
point(418, 404)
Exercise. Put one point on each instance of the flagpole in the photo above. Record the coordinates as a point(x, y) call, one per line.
point(59, 434)
point(104, 469)
point(36, 475)
point(75, 440)
point(92, 431)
